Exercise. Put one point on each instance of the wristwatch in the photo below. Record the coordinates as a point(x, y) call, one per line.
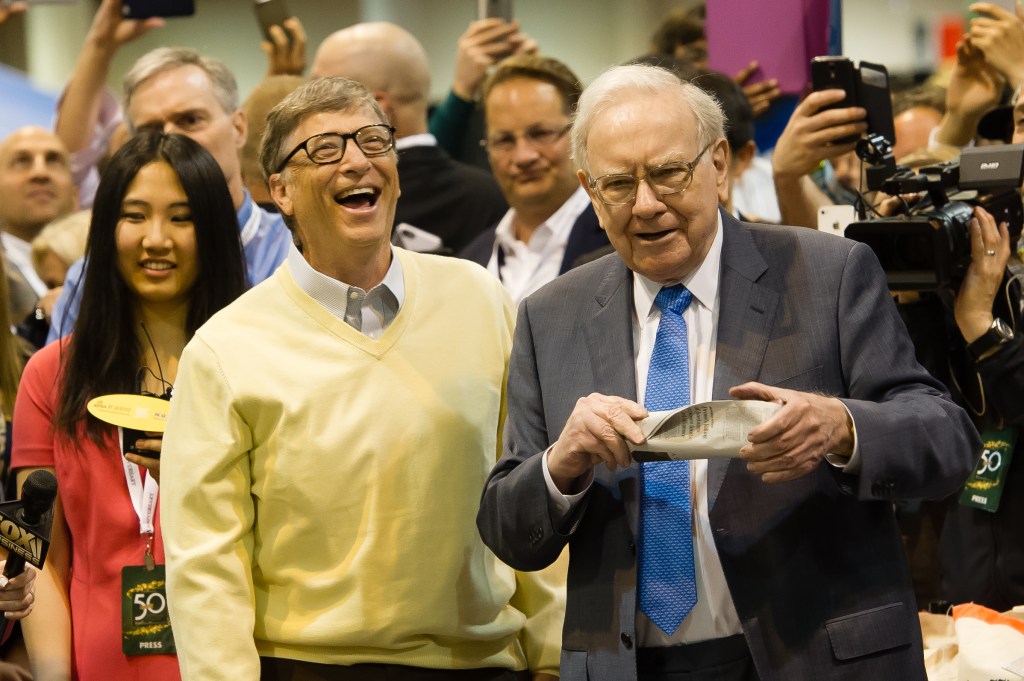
point(997, 335)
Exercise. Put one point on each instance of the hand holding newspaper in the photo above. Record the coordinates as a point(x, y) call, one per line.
point(701, 431)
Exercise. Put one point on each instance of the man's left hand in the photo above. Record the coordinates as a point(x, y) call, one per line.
point(545, 677)
point(760, 95)
point(793, 442)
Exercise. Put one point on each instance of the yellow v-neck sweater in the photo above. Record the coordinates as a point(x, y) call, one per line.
point(320, 489)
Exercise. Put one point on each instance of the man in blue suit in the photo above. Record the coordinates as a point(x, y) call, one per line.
point(783, 563)
point(528, 104)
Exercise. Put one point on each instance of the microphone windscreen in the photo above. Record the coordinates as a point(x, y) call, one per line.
point(37, 495)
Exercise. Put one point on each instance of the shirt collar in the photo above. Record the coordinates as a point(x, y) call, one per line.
point(424, 139)
point(247, 207)
point(558, 225)
point(12, 243)
point(702, 282)
point(332, 293)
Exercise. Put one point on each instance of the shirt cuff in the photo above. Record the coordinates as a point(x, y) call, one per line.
point(560, 504)
point(849, 464)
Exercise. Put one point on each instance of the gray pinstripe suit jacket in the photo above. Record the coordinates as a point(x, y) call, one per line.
point(814, 566)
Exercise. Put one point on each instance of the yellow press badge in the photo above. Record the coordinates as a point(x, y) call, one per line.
point(139, 412)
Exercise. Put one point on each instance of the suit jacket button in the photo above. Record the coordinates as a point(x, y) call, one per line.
point(627, 641)
point(632, 547)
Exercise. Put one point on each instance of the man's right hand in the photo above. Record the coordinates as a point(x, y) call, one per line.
point(596, 432)
point(13, 8)
point(999, 34)
point(812, 132)
point(110, 30)
point(286, 49)
point(485, 43)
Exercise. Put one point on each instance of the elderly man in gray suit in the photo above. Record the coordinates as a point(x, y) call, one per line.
point(781, 564)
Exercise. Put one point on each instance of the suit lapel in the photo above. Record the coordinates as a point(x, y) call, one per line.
point(609, 334)
point(746, 313)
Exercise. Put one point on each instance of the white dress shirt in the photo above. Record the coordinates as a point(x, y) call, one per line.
point(525, 267)
point(714, 615)
point(377, 307)
point(423, 139)
point(19, 254)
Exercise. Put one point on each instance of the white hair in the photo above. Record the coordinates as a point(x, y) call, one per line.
point(606, 91)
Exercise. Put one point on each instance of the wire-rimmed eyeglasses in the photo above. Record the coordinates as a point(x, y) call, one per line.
point(537, 136)
point(665, 179)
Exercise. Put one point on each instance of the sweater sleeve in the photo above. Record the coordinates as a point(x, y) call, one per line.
point(207, 514)
point(540, 596)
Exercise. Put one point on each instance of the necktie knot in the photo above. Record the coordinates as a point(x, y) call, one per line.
point(674, 298)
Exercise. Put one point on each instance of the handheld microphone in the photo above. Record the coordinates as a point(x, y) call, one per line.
point(25, 524)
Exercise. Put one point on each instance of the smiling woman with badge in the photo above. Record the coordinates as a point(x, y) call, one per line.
point(163, 256)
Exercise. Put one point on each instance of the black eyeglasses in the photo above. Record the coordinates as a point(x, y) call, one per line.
point(329, 147)
point(538, 136)
point(665, 179)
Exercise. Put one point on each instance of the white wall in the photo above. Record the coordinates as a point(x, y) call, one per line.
point(587, 34)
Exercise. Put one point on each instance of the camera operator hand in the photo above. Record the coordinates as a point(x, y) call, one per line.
point(990, 251)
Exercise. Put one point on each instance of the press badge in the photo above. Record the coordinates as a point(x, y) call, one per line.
point(984, 488)
point(145, 625)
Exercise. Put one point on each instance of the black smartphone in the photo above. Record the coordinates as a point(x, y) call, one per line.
point(143, 9)
point(495, 9)
point(873, 94)
point(866, 87)
point(272, 13)
point(835, 73)
point(130, 436)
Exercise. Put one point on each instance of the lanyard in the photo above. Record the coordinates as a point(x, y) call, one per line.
point(252, 225)
point(143, 494)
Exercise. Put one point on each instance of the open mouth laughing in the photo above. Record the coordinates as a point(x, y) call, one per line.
point(358, 198)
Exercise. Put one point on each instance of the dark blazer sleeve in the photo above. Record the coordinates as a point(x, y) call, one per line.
point(913, 441)
point(514, 518)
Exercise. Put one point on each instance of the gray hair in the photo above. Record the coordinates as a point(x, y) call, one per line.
point(603, 94)
point(320, 95)
point(162, 59)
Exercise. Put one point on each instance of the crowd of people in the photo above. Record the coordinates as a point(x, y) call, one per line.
point(409, 350)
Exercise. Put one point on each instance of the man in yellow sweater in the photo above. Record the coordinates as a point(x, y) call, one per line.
point(329, 437)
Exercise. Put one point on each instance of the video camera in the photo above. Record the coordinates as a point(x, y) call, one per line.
point(929, 247)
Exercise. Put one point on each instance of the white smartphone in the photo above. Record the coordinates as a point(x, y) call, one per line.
point(834, 219)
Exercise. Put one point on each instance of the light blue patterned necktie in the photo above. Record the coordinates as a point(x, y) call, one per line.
point(668, 588)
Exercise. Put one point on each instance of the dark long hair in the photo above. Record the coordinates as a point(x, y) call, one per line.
point(104, 354)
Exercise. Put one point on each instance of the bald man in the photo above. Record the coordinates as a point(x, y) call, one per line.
point(35, 188)
point(450, 200)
